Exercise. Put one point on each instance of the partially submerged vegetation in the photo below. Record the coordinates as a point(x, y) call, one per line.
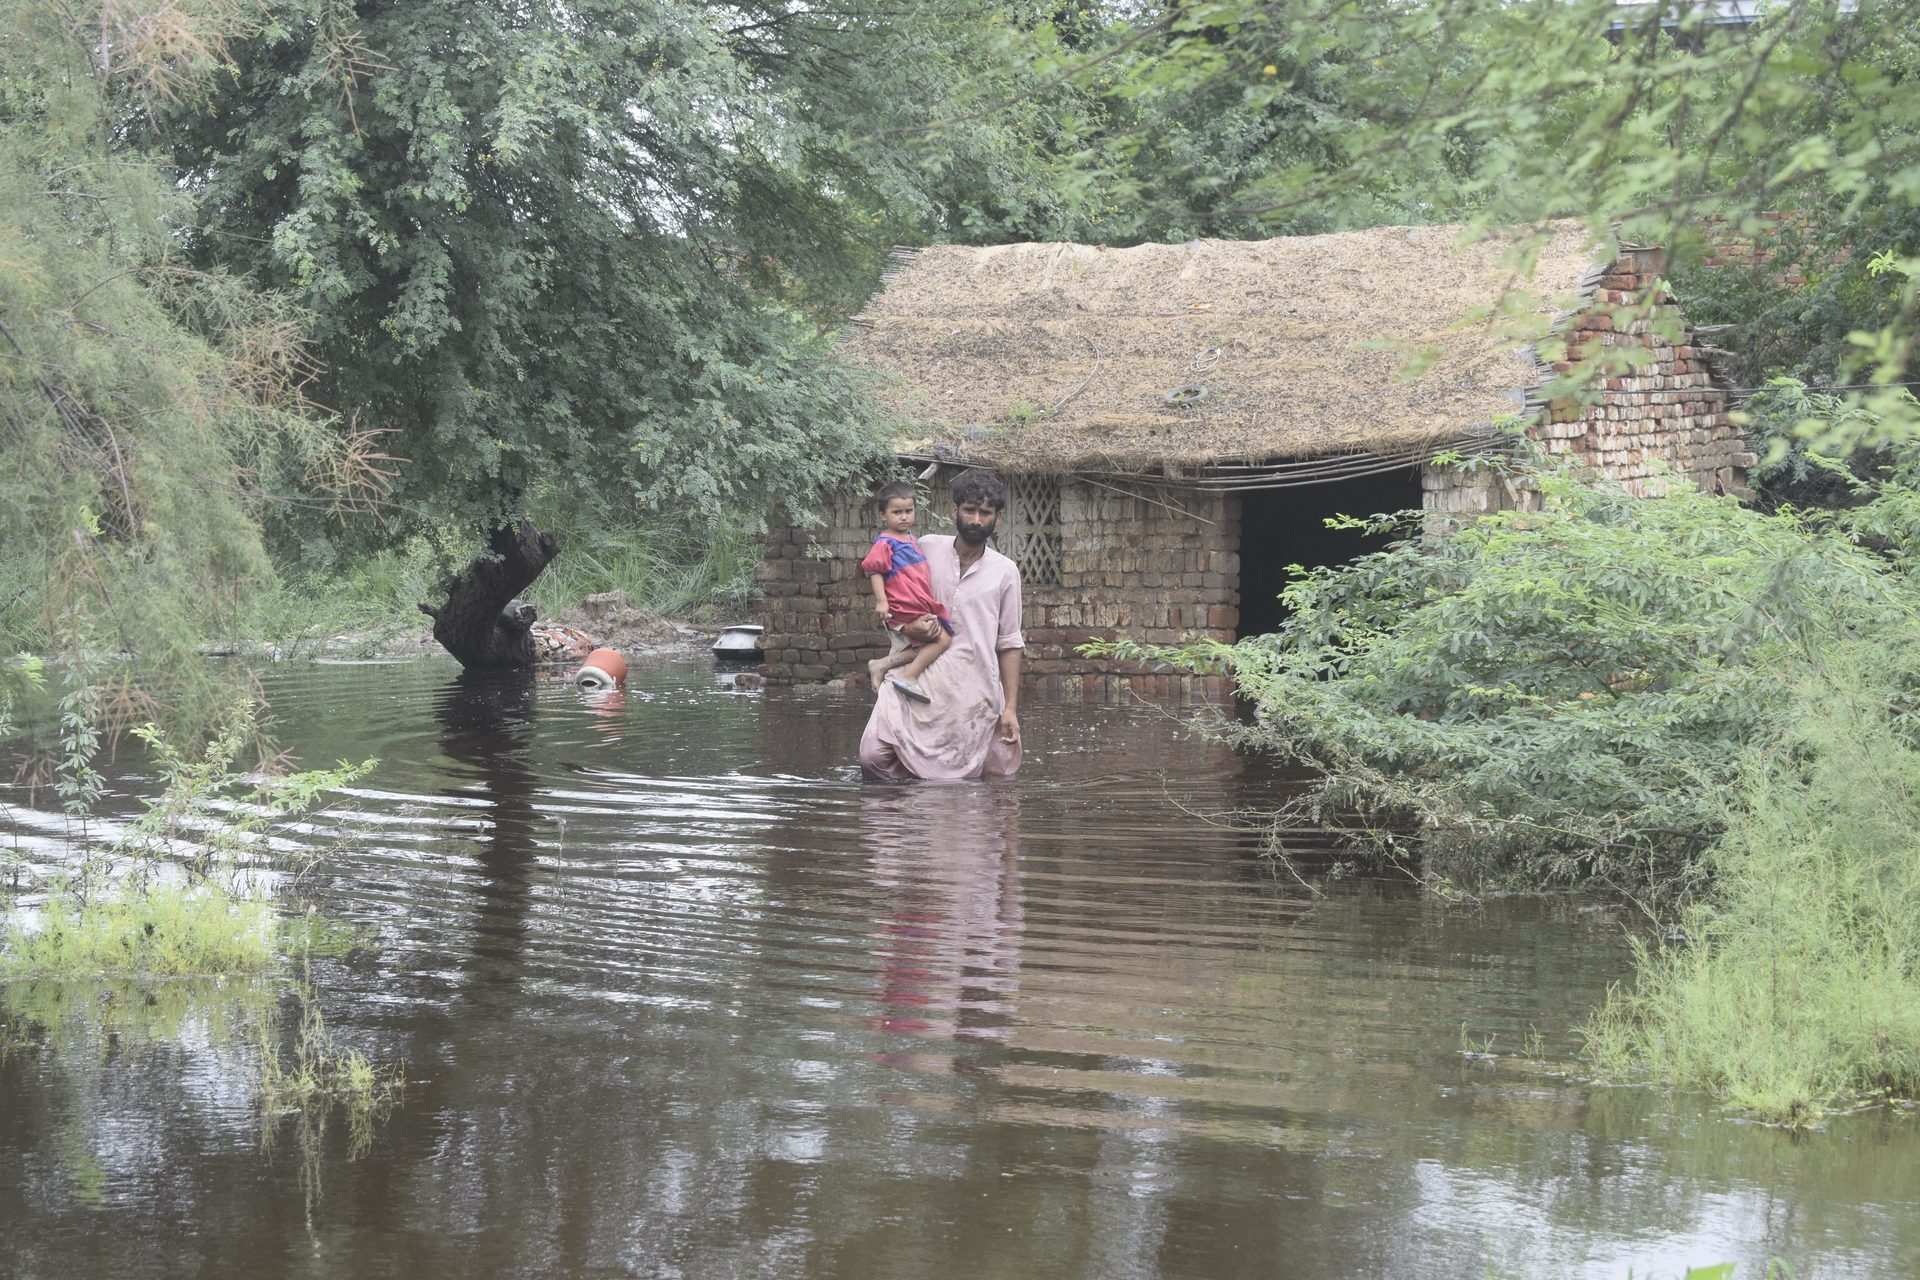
point(185, 888)
point(320, 1073)
point(1554, 697)
point(1796, 988)
point(159, 931)
point(1700, 705)
point(181, 897)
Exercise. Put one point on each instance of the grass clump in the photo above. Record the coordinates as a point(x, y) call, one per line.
point(669, 564)
point(166, 930)
point(1796, 989)
point(320, 1073)
point(180, 895)
point(178, 892)
point(374, 598)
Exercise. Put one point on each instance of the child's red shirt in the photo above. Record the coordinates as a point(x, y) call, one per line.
point(909, 582)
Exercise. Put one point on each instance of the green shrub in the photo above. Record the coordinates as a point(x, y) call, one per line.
point(1552, 697)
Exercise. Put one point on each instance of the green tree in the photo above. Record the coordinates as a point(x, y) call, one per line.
point(1638, 120)
point(1202, 107)
point(595, 249)
point(151, 410)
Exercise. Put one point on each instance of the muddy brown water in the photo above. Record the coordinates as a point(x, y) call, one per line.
point(677, 995)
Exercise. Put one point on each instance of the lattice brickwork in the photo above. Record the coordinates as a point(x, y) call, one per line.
point(1030, 528)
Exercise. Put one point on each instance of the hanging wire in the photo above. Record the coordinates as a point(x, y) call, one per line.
point(1744, 393)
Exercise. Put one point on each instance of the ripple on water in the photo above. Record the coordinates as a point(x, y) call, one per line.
point(681, 996)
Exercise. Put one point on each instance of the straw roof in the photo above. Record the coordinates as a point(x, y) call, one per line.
point(1056, 356)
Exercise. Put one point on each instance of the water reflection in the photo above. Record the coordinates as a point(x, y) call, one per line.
point(486, 726)
point(946, 886)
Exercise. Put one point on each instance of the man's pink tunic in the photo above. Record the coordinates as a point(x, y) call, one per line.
point(954, 735)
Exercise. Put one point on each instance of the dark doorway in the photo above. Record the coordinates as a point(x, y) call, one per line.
point(1279, 527)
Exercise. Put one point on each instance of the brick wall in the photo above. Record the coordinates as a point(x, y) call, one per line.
point(1154, 564)
point(1660, 422)
point(1780, 233)
point(1469, 491)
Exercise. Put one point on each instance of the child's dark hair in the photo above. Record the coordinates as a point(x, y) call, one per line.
point(888, 492)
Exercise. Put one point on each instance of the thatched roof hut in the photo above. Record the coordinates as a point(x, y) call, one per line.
point(1064, 356)
point(1177, 422)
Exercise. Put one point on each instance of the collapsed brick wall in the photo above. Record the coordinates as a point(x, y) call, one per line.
point(1157, 565)
point(1659, 423)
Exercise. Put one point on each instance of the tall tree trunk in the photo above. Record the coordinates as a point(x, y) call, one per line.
point(481, 623)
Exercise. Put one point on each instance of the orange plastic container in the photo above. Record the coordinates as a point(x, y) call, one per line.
point(603, 669)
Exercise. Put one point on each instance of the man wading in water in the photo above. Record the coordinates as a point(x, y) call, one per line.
point(971, 726)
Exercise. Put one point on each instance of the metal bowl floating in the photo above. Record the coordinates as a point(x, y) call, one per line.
point(739, 643)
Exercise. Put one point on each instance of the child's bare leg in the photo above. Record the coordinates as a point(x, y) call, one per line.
point(923, 658)
point(899, 655)
point(878, 668)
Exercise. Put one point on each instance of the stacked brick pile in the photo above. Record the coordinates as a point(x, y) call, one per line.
point(1133, 566)
point(1660, 422)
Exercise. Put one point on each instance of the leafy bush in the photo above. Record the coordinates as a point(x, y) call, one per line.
point(1820, 450)
point(1552, 697)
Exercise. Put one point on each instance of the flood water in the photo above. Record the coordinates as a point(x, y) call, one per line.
point(676, 995)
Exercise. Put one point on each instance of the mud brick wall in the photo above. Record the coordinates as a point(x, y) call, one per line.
point(1157, 564)
point(1662, 422)
point(815, 606)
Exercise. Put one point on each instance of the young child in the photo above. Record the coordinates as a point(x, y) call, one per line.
point(903, 593)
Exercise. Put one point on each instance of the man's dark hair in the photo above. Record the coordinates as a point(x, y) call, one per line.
point(888, 492)
point(979, 488)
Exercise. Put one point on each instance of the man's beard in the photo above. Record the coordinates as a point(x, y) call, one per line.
point(974, 534)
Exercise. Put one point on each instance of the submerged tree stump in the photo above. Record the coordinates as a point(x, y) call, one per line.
point(482, 624)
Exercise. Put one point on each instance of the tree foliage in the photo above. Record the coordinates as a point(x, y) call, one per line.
point(152, 410)
point(593, 247)
point(1811, 283)
point(1639, 121)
